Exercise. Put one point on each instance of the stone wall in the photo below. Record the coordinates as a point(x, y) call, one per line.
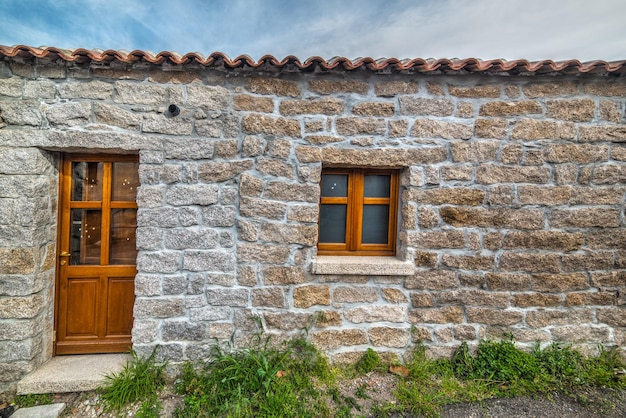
point(28, 213)
point(511, 212)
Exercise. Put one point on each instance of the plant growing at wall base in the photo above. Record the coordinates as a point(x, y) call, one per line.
point(500, 369)
point(259, 382)
point(140, 380)
point(368, 362)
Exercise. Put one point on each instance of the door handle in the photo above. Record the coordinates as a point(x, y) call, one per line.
point(64, 254)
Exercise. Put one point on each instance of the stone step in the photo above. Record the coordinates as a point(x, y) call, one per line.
point(42, 411)
point(72, 373)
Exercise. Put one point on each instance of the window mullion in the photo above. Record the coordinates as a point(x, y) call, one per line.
point(357, 209)
point(393, 211)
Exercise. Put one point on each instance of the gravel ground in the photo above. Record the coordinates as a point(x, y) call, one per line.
point(379, 388)
point(604, 404)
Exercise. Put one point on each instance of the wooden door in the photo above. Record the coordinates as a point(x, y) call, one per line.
point(96, 257)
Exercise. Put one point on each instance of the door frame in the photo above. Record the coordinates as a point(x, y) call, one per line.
point(63, 184)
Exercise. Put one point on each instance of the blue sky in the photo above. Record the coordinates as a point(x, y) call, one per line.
point(487, 29)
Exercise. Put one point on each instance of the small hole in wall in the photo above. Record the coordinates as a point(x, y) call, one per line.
point(173, 110)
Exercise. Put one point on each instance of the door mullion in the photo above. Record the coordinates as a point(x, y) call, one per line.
point(101, 316)
point(101, 313)
point(106, 214)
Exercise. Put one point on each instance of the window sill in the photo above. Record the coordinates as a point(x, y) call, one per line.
point(362, 266)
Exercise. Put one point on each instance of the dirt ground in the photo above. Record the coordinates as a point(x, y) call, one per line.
point(379, 389)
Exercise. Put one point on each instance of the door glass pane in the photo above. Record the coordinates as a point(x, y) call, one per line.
point(125, 181)
point(87, 181)
point(375, 224)
point(123, 227)
point(334, 185)
point(376, 186)
point(333, 223)
point(85, 236)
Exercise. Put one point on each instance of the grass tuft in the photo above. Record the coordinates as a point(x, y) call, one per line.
point(140, 380)
point(500, 369)
point(295, 381)
point(27, 401)
point(369, 362)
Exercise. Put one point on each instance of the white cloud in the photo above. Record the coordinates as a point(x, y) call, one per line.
point(531, 29)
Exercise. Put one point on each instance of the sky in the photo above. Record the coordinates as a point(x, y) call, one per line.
point(487, 29)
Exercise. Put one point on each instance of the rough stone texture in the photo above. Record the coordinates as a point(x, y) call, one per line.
point(491, 128)
point(544, 240)
point(307, 107)
point(374, 109)
point(480, 91)
point(614, 133)
point(494, 316)
point(394, 295)
point(510, 210)
point(272, 86)
point(422, 106)
point(393, 88)
point(349, 294)
point(338, 86)
point(499, 217)
point(360, 126)
point(532, 129)
point(253, 103)
point(333, 339)
point(493, 174)
point(547, 88)
point(478, 151)
point(287, 321)
point(578, 110)
point(445, 315)
point(376, 313)
point(307, 296)
point(508, 109)
point(389, 337)
point(546, 317)
point(430, 128)
point(450, 196)
point(261, 124)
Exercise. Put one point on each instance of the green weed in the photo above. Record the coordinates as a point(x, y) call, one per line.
point(369, 362)
point(27, 401)
point(361, 392)
point(297, 381)
point(499, 368)
point(261, 382)
point(139, 381)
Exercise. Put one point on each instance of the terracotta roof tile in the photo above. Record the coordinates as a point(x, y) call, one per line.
point(420, 65)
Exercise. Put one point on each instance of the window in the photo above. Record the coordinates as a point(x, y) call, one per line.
point(358, 212)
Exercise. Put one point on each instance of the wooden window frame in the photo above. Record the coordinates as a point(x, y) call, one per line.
point(355, 201)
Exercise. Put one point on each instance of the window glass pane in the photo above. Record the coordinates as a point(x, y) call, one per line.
point(87, 181)
point(376, 185)
point(125, 181)
point(334, 185)
point(333, 223)
point(375, 224)
point(85, 238)
point(123, 227)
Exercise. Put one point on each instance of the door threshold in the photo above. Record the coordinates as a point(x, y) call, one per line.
point(80, 373)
